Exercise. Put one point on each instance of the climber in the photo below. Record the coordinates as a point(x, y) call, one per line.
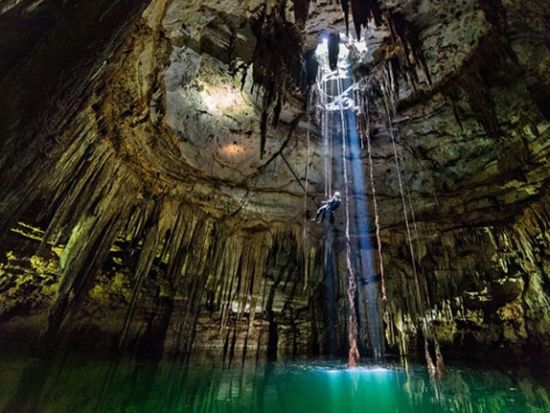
point(328, 206)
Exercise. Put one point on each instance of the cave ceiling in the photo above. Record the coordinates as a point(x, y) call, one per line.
point(203, 99)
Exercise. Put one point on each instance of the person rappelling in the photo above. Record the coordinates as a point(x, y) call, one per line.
point(328, 206)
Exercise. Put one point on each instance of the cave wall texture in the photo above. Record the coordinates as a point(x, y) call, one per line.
point(154, 158)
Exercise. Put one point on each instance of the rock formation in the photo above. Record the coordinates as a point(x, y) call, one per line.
point(157, 156)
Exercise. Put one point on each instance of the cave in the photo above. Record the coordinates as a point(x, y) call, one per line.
point(274, 206)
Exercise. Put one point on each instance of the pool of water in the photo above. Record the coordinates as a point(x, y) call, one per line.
point(90, 384)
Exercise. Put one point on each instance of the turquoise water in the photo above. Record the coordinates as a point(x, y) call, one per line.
point(84, 384)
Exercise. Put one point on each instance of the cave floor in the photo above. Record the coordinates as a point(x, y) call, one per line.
point(80, 383)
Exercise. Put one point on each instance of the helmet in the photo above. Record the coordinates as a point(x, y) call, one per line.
point(337, 194)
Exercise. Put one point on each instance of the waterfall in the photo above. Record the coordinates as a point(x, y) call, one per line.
point(343, 170)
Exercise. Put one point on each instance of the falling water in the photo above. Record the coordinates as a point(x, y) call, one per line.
point(336, 98)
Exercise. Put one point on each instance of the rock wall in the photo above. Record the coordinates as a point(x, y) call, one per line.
point(474, 158)
point(136, 210)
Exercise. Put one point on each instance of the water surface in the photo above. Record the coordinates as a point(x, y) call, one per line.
point(85, 384)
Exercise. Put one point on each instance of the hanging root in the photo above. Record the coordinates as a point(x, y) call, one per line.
point(426, 302)
point(438, 368)
point(277, 62)
point(353, 355)
point(440, 365)
point(429, 361)
point(375, 203)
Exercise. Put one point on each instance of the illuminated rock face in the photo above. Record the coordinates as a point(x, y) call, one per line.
point(133, 152)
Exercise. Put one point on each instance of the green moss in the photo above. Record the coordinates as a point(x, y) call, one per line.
point(43, 265)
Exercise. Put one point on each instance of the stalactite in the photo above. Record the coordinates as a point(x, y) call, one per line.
point(83, 257)
point(277, 63)
point(153, 232)
point(495, 13)
point(333, 49)
point(83, 187)
point(406, 35)
point(102, 205)
point(194, 280)
point(451, 96)
point(301, 11)
point(362, 11)
point(480, 100)
point(45, 110)
point(473, 82)
point(389, 81)
point(311, 68)
point(345, 9)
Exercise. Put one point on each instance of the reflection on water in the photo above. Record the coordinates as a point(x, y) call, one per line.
point(78, 384)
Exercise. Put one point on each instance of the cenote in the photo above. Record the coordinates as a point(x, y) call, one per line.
point(274, 206)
